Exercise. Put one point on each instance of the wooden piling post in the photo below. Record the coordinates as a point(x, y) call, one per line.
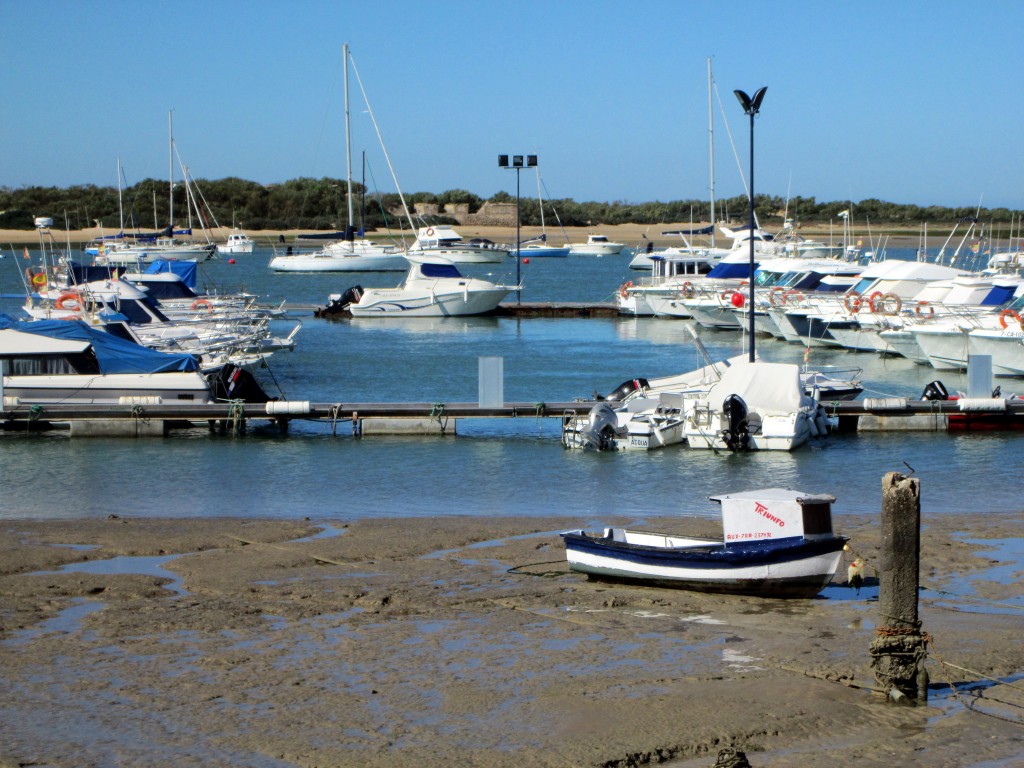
point(899, 650)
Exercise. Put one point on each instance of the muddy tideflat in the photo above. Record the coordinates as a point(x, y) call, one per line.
point(466, 641)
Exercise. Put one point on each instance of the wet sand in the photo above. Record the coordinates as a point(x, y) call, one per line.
point(466, 641)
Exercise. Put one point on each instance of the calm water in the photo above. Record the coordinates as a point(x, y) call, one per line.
point(497, 467)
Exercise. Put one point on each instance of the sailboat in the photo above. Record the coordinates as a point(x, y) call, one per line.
point(539, 246)
point(155, 246)
point(348, 254)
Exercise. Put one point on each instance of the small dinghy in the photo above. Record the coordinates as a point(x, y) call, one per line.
point(775, 543)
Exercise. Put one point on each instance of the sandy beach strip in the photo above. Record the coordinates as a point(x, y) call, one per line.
point(466, 641)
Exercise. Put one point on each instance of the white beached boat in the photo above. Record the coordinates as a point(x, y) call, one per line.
point(775, 543)
point(432, 287)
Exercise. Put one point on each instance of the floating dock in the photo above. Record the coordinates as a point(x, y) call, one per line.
point(439, 418)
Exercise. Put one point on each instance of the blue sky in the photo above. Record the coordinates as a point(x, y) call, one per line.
point(911, 102)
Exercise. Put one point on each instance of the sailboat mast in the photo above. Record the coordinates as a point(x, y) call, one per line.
point(120, 204)
point(348, 146)
point(540, 202)
point(170, 168)
point(711, 153)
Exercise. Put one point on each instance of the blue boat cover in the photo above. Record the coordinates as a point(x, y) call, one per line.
point(113, 355)
point(999, 295)
point(186, 270)
point(728, 269)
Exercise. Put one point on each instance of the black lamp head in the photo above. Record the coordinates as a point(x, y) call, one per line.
point(751, 106)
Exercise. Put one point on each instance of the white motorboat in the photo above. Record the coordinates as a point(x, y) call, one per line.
point(441, 241)
point(641, 424)
point(775, 543)
point(56, 361)
point(597, 245)
point(237, 242)
point(756, 406)
point(433, 287)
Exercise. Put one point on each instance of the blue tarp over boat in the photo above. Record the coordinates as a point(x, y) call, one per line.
point(113, 355)
point(186, 270)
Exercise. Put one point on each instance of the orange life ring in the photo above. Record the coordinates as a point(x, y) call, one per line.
point(777, 296)
point(853, 307)
point(202, 304)
point(687, 290)
point(872, 299)
point(919, 310)
point(71, 295)
point(794, 296)
point(887, 304)
point(726, 295)
point(1010, 313)
point(430, 231)
point(624, 288)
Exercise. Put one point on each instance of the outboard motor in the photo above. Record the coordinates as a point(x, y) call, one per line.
point(935, 391)
point(235, 383)
point(600, 429)
point(339, 305)
point(736, 435)
point(624, 389)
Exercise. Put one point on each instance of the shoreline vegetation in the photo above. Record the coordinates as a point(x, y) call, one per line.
point(311, 205)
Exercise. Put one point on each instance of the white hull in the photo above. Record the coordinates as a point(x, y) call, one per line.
point(141, 255)
point(1005, 347)
point(822, 566)
point(422, 303)
point(321, 262)
point(88, 389)
point(585, 249)
point(945, 351)
point(463, 255)
point(777, 433)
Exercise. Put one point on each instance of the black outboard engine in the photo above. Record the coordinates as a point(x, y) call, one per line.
point(736, 436)
point(935, 391)
point(339, 305)
point(625, 388)
point(235, 383)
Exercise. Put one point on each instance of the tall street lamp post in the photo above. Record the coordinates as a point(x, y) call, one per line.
point(751, 106)
point(517, 165)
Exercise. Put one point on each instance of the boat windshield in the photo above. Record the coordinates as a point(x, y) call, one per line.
point(429, 269)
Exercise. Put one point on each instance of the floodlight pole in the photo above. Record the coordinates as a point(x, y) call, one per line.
point(751, 106)
point(517, 166)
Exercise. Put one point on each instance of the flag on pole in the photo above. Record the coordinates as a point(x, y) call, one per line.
point(26, 253)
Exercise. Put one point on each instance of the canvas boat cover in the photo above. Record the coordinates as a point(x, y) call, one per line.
point(113, 355)
point(764, 387)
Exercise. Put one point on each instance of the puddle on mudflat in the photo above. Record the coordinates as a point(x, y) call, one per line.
point(63, 622)
point(1009, 557)
point(143, 565)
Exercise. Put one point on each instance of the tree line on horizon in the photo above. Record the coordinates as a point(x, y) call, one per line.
point(320, 204)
